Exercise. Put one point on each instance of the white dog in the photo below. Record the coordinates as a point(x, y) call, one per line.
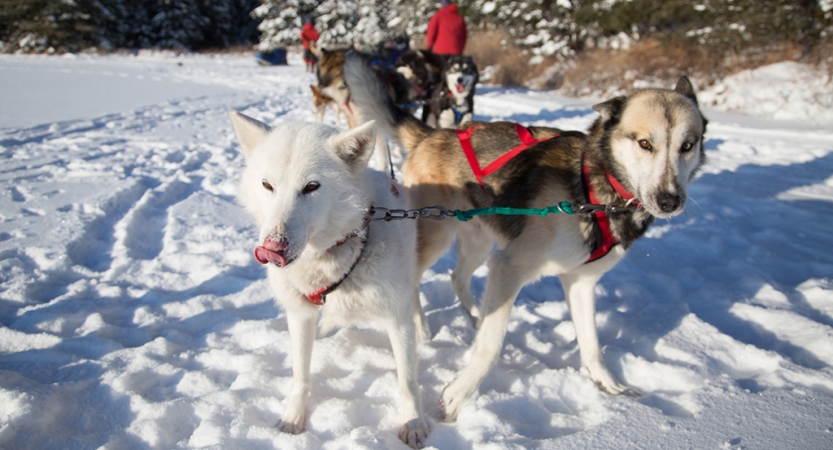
point(310, 192)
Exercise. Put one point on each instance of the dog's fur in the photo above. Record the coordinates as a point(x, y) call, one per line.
point(652, 142)
point(321, 102)
point(452, 105)
point(308, 188)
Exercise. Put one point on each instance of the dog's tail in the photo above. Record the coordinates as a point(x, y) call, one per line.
point(375, 103)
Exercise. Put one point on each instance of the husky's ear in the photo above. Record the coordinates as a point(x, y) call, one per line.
point(685, 88)
point(355, 145)
point(610, 108)
point(250, 132)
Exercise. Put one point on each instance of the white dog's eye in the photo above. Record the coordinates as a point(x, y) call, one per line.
point(644, 143)
point(268, 186)
point(687, 147)
point(311, 187)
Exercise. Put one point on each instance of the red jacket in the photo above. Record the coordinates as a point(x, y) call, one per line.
point(309, 34)
point(446, 32)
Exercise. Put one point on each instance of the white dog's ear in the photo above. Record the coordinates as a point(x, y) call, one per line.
point(355, 145)
point(250, 132)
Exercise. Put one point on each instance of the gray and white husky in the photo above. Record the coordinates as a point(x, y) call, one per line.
point(309, 190)
point(642, 151)
point(452, 105)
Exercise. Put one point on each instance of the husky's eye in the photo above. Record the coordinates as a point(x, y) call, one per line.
point(311, 187)
point(687, 147)
point(268, 186)
point(644, 143)
point(343, 86)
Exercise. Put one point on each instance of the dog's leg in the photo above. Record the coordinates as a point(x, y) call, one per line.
point(380, 154)
point(302, 334)
point(505, 281)
point(337, 112)
point(433, 239)
point(579, 287)
point(414, 430)
point(423, 332)
point(446, 119)
point(473, 246)
point(467, 117)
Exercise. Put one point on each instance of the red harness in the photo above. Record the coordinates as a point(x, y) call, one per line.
point(465, 141)
point(601, 219)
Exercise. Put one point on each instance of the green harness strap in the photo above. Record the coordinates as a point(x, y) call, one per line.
point(563, 207)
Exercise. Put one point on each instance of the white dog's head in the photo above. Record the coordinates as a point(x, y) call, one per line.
point(303, 183)
point(655, 140)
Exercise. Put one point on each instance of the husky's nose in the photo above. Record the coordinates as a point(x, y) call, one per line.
point(669, 202)
point(459, 80)
point(272, 251)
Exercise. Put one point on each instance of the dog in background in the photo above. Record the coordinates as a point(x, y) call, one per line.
point(639, 155)
point(453, 104)
point(422, 69)
point(310, 191)
point(320, 102)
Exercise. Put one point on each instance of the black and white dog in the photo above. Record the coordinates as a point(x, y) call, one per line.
point(423, 70)
point(453, 105)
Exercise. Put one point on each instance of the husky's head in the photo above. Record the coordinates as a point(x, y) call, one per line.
point(460, 76)
point(303, 183)
point(655, 142)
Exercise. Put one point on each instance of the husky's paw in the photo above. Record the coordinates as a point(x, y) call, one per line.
point(454, 396)
point(413, 433)
point(604, 379)
point(292, 425)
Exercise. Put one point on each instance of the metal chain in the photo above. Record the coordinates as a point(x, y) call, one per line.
point(438, 213)
point(428, 212)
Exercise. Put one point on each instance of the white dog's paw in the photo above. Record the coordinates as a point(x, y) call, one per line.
point(454, 396)
point(604, 379)
point(413, 433)
point(292, 424)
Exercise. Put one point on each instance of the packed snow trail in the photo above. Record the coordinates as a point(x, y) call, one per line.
point(134, 315)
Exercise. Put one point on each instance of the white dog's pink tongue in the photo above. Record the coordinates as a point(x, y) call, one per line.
point(460, 88)
point(266, 256)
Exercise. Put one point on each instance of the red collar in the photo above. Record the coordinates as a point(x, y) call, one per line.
point(464, 136)
point(318, 297)
point(601, 219)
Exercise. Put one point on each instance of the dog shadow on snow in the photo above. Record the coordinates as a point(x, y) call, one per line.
point(702, 262)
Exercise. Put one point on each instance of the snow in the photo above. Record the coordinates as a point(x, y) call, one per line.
point(132, 314)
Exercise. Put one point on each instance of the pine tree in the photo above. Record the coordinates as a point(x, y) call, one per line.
point(281, 21)
point(336, 21)
point(178, 24)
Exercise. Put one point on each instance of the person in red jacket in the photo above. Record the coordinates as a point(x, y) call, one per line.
point(308, 36)
point(446, 31)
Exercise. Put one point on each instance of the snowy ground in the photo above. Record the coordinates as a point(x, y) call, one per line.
point(132, 314)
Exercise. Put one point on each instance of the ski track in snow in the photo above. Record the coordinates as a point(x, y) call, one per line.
point(134, 316)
